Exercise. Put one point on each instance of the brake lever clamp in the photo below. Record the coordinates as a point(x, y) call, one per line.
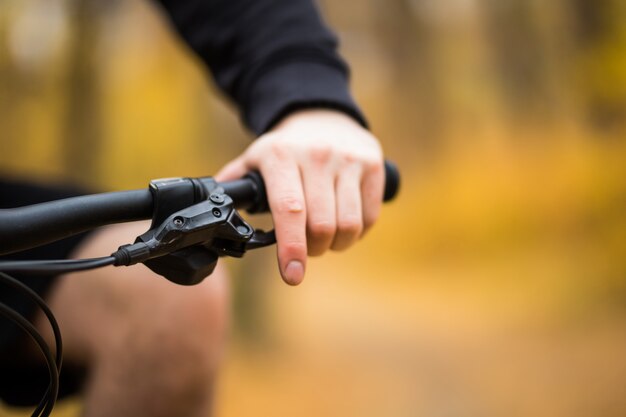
point(183, 245)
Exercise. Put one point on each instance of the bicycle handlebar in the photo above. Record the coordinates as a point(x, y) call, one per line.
point(249, 192)
point(30, 226)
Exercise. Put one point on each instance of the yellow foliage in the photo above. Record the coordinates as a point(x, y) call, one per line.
point(494, 284)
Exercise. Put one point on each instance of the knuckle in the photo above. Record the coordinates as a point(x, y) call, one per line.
point(274, 148)
point(374, 166)
point(322, 229)
point(320, 154)
point(350, 226)
point(349, 159)
point(293, 249)
point(371, 161)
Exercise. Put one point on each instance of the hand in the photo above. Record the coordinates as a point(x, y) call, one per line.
point(324, 177)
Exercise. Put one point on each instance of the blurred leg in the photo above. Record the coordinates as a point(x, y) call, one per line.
point(152, 347)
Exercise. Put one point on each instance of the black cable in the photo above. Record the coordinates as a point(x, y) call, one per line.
point(49, 399)
point(45, 406)
point(32, 295)
point(55, 266)
point(14, 283)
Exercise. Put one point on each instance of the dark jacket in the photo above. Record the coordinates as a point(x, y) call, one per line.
point(270, 57)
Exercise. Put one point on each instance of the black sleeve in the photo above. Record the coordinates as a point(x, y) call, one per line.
point(270, 56)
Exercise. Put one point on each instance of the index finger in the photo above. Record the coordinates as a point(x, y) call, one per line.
point(285, 196)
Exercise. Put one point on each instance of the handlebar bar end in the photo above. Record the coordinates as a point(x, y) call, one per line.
point(392, 181)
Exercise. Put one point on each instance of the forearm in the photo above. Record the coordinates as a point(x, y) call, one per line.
point(270, 57)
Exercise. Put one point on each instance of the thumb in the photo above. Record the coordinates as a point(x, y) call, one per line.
point(233, 170)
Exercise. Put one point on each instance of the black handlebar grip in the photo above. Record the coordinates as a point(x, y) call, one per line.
point(249, 192)
point(392, 181)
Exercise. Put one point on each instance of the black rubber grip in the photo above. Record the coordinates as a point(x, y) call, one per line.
point(392, 181)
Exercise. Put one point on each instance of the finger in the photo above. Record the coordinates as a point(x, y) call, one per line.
point(233, 170)
point(349, 214)
point(286, 200)
point(319, 194)
point(372, 188)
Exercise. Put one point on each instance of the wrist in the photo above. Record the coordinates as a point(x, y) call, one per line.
point(316, 115)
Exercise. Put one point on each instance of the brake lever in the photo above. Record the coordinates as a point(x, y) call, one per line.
point(184, 243)
point(261, 239)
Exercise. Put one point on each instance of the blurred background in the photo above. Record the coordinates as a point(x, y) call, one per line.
point(494, 285)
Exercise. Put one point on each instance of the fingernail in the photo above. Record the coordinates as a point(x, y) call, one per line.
point(294, 273)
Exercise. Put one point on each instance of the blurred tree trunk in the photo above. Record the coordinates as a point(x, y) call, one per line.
point(82, 139)
point(600, 31)
point(519, 58)
point(417, 96)
point(5, 75)
point(591, 20)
